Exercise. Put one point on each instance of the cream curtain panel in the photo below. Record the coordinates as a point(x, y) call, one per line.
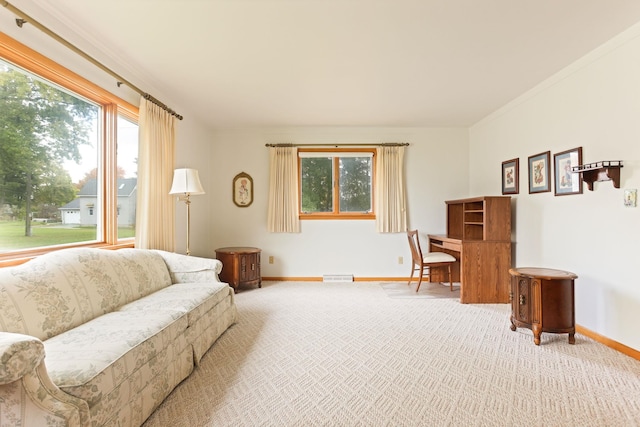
point(390, 197)
point(283, 190)
point(155, 209)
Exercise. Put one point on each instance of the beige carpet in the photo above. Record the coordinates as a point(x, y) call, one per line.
point(318, 354)
point(427, 290)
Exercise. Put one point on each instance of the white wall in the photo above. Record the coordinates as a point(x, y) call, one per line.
point(193, 145)
point(595, 104)
point(436, 170)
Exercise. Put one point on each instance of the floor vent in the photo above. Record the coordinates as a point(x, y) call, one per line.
point(333, 278)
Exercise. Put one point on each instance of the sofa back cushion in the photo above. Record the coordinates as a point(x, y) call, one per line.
point(61, 290)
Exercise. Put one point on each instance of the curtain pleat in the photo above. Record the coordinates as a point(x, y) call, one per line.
point(283, 190)
point(155, 209)
point(390, 197)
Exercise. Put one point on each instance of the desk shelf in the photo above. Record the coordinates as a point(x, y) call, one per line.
point(479, 218)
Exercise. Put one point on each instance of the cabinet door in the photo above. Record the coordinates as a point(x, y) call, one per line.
point(522, 300)
point(249, 268)
point(253, 266)
point(245, 270)
point(484, 272)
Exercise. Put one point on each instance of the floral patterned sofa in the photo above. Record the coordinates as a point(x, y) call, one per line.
point(93, 337)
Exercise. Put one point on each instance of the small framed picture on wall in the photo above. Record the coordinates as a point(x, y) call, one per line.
point(242, 190)
point(510, 174)
point(539, 173)
point(567, 182)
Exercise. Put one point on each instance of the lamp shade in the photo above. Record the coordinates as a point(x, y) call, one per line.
point(186, 181)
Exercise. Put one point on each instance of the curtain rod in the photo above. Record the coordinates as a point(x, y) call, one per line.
point(24, 18)
point(384, 144)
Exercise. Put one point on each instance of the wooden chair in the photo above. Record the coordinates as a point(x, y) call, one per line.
point(431, 259)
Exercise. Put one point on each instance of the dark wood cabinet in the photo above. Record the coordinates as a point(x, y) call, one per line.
point(542, 299)
point(479, 238)
point(240, 266)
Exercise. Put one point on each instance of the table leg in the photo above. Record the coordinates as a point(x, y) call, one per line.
point(537, 331)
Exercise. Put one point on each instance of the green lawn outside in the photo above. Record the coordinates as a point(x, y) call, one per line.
point(12, 235)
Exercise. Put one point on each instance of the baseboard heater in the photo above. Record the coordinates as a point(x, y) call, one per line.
point(336, 278)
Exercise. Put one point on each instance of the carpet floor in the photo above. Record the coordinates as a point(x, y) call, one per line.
point(353, 354)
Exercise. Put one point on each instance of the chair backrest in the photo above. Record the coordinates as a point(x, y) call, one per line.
point(414, 244)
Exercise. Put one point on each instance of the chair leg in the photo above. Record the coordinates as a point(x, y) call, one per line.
point(420, 278)
point(413, 269)
point(450, 281)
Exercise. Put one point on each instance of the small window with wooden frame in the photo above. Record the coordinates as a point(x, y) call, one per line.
point(336, 183)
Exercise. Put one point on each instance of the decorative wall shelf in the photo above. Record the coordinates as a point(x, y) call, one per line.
point(607, 170)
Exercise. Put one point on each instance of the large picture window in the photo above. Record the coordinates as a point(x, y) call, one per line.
point(336, 183)
point(62, 180)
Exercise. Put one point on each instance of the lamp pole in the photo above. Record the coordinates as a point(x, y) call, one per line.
point(188, 203)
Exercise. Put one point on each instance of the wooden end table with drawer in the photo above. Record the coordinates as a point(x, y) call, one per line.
point(240, 266)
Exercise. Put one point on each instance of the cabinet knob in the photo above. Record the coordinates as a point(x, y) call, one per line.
point(522, 302)
point(253, 267)
point(510, 296)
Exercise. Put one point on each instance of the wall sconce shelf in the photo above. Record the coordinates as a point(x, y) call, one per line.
point(607, 170)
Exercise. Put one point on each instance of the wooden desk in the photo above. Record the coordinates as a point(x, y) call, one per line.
point(481, 267)
point(479, 238)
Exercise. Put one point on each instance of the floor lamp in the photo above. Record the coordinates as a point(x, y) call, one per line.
point(186, 183)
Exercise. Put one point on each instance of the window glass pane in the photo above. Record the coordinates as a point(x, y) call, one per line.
point(127, 177)
point(48, 159)
point(355, 184)
point(317, 184)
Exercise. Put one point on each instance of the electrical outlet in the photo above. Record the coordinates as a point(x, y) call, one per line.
point(271, 259)
point(400, 260)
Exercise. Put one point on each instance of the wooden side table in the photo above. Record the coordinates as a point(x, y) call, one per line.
point(542, 299)
point(240, 266)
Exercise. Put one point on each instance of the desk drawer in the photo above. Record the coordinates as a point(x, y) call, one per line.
point(451, 246)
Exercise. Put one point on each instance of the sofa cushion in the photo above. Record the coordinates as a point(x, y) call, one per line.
point(192, 299)
point(58, 291)
point(93, 359)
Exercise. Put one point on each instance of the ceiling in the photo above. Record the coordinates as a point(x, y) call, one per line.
point(257, 63)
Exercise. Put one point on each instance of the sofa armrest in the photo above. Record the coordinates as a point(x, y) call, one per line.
point(190, 269)
point(19, 355)
point(29, 396)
